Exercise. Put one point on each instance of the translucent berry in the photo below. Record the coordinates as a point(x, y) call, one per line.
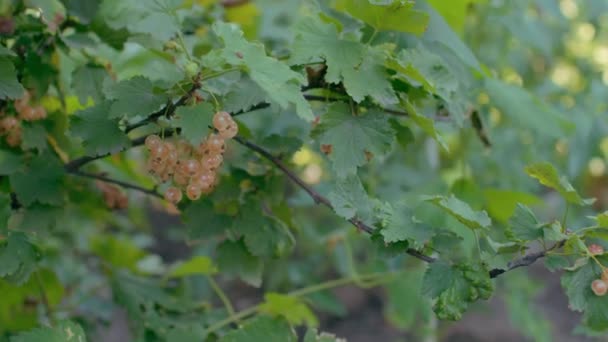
point(172, 159)
point(203, 149)
point(216, 143)
point(595, 249)
point(599, 287)
point(191, 167)
point(184, 148)
point(39, 113)
point(221, 120)
point(8, 123)
point(160, 152)
point(230, 132)
point(27, 113)
point(212, 162)
point(180, 179)
point(205, 179)
point(13, 139)
point(193, 191)
point(152, 141)
point(173, 195)
point(20, 106)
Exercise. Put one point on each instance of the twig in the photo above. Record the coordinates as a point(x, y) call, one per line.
point(320, 199)
point(77, 163)
point(526, 260)
point(168, 109)
point(317, 197)
point(125, 185)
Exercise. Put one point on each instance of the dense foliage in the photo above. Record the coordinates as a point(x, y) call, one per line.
point(427, 147)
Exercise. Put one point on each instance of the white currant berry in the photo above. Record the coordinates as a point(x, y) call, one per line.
point(212, 162)
point(152, 141)
point(599, 287)
point(595, 249)
point(221, 120)
point(193, 191)
point(173, 195)
point(191, 167)
point(216, 143)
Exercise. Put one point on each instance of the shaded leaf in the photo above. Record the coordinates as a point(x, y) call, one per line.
point(462, 212)
point(547, 175)
point(99, 134)
point(351, 136)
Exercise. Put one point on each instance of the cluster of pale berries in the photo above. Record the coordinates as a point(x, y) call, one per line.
point(599, 286)
point(112, 195)
point(10, 126)
point(192, 169)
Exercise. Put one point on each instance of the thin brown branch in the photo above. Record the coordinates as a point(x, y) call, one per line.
point(75, 164)
point(320, 199)
point(169, 109)
point(317, 197)
point(526, 260)
point(125, 185)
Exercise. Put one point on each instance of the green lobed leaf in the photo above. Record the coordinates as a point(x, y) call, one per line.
point(401, 225)
point(41, 181)
point(577, 285)
point(547, 175)
point(5, 213)
point(10, 162)
point(601, 219)
point(87, 82)
point(120, 252)
point(440, 33)
point(438, 277)
point(293, 309)
point(524, 225)
point(234, 258)
point(281, 84)
point(194, 121)
point(135, 96)
point(203, 222)
point(358, 66)
point(155, 18)
point(501, 203)
point(64, 331)
point(262, 328)
point(18, 258)
point(264, 235)
point(100, 135)
point(517, 104)
point(198, 265)
point(421, 66)
point(351, 136)
point(387, 16)
point(405, 307)
point(403, 133)
point(427, 125)
point(454, 12)
point(350, 199)
point(40, 218)
point(6, 52)
point(84, 10)
point(10, 88)
point(33, 136)
point(462, 212)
